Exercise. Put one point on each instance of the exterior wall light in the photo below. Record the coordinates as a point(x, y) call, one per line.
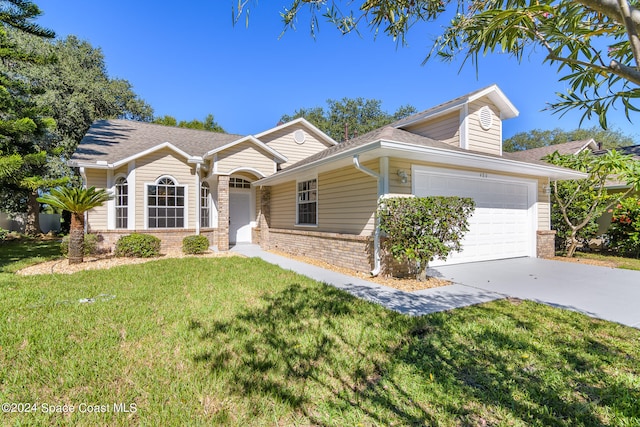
point(403, 176)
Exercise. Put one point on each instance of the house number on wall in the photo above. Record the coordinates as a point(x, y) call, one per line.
point(483, 175)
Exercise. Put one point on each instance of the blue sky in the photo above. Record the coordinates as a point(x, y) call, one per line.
point(189, 60)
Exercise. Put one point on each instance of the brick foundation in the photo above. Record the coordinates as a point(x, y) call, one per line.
point(341, 250)
point(546, 243)
point(170, 239)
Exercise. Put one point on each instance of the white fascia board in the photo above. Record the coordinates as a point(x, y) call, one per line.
point(101, 164)
point(507, 109)
point(479, 161)
point(152, 150)
point(444, 109)
point(251, 139)
point(305, 123)
point(441, 156)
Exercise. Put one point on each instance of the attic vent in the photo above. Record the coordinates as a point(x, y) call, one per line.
point(485, 117)
point(299, 136)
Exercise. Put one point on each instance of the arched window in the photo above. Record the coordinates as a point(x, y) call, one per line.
point(122, 202)
point(165, 204)
point(205, 206)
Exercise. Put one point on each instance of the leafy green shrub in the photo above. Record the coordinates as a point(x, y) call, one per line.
point(624, 234)
point(90, 245)
point(195, 244)
point(138, 246)
point(420, 229)
point(3, 233)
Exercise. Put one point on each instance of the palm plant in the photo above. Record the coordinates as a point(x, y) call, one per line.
point(77, 201)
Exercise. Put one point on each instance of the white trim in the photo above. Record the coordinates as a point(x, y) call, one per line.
point(464, 127)
point(493, 92)
point(305, 179)
point(444, 156)
point(254, 171)
point(111, 203)
point(252, 140)
point(131, 180)
point(104, 165)
point(301, 121)
point(112, 208)
point(146, 204)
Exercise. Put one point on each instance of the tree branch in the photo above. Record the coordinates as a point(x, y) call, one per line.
point(632, 31)
point(611, 8)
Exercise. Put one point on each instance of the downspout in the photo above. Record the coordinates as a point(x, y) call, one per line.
point(377, 265)
point(198, 199)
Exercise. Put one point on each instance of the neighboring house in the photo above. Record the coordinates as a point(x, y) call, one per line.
point(571, 147)
point(575, 147)
point(294, 189)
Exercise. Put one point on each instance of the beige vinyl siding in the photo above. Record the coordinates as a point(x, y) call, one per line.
point(282, 141)
point(486, 141)
point(122, 170)
point(97, 217)
point(346, 202)
point(395, 186)
point(283, 205)
point(445, 128)
point(245, 155)
point(160, 163)
point(544, 207)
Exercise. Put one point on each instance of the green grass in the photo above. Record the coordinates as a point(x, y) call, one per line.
point(619, 262)
point(25, 251)
point(236, 341)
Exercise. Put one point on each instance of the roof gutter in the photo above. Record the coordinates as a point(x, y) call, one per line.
point(377, 267)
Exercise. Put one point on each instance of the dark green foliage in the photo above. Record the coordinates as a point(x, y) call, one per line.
point(576, 204)
point(90, 246)
point(138, 246)
point(351, 116)
point(624, 234)
point(536, 138)
point(3, 233)
point(421, 229)
point(208, 124)
point(195, 244)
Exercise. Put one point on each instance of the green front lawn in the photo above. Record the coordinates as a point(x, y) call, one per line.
point(235, 341)
point(619, 262)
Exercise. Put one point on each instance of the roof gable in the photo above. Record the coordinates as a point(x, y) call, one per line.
point(302, 122)
point(250, 139)
point(493, 92)
point(109, 142)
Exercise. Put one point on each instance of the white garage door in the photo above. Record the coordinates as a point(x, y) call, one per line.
point(502, 225)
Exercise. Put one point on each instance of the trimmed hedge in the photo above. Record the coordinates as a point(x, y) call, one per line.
point(195, 244)
point(90, 245)
point(138, 246)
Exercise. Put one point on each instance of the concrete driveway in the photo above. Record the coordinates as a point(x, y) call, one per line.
point(606, 293)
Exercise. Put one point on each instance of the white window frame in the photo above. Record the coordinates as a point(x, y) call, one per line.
point(205, 205)
point(302, 181)
point(185, 213)
point(117, 200)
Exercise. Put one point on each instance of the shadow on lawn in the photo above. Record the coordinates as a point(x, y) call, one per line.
point(327, 354)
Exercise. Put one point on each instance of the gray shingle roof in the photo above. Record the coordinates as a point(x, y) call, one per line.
point(115, 140)
point(630, 150)
point(571, 147)
point(385, 133)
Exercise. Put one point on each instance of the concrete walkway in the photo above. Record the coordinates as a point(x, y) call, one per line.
point(413, 303)
point(606, 293)
point(602, 292)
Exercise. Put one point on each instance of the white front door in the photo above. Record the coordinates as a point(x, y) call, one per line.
point(239, 217)
point(502, 225)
